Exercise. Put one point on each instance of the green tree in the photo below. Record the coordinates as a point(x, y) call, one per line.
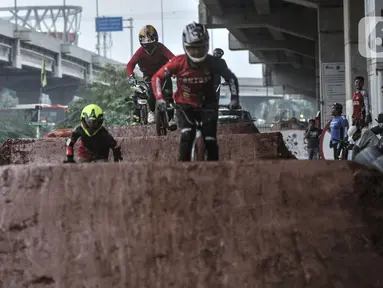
point(14, 124)
point(110, 94)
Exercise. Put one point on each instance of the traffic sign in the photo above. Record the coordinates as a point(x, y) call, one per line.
point(109, 24)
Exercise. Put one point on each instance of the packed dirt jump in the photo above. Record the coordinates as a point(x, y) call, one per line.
point(256, 219)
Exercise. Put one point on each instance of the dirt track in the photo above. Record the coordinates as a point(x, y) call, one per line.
point(153, 148)
point(261, 224)
point(149, 130)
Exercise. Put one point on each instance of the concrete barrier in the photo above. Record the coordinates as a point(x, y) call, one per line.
point(259, 224)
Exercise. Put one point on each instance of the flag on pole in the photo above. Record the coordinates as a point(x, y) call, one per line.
point(43, 74)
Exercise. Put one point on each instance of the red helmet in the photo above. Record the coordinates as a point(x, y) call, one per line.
point(148, 38)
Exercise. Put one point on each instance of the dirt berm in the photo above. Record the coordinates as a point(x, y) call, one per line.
point(264, 224)
point(150, 130)
point(153, 148)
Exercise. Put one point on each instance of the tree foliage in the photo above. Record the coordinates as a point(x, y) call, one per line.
point(14, 124)
point(110, 94)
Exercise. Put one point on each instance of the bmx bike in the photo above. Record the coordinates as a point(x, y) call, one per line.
point(142, 90)
point(163, 117)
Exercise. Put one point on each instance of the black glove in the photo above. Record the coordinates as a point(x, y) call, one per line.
point(69, 160)
point(117, 154)
point(161, 105)
point(234, 104)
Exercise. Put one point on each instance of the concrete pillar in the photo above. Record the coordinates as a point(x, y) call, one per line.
point(89, 73)
point(331, 59)
point(58, 66)
point(16, 53)
point(355, 63)
point(375, 65)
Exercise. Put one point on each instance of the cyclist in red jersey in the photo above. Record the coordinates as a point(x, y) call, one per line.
point(150, 57)
point(360, 103)
point(195, 71)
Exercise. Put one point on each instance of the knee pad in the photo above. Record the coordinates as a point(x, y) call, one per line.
point(186, 135)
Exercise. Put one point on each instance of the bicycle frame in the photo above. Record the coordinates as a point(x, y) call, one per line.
point(198, 152)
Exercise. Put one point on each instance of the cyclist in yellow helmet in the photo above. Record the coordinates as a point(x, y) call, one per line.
point(95, 140)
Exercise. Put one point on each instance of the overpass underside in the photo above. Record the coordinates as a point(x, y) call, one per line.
point(308, 47)
point(26, 84)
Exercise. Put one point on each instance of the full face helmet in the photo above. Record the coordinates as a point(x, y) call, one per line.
point(148, 38)
point(195, 40)
point(218, 52)
point(91, 119)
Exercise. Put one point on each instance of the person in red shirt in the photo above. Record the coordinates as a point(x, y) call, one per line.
point(150, 57)
point(195, 71)
point(360, 103)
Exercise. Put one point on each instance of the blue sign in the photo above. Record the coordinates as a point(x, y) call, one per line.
point(109, 24)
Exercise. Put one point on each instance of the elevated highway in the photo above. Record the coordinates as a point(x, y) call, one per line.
point(307, 47)
point(22, 49)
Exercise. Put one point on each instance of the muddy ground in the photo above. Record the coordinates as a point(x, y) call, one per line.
point(263, 224)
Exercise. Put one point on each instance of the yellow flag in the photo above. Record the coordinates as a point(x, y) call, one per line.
point(43, 74)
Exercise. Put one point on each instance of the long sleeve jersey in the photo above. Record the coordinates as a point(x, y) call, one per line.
point(195, 86)
point(149, 64)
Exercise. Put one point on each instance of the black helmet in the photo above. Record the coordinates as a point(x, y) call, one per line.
point(195, 40)
point(337, 107)
point(218, 52)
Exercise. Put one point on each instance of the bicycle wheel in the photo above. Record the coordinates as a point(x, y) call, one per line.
point(198, 150)
point(144, 114)
point(161, 123)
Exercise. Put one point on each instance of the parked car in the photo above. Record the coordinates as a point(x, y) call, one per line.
point(226, 115)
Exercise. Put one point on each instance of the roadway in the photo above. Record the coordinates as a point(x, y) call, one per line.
point(308, 47)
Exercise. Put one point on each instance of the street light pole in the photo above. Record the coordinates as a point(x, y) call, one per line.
point(98, 33)
point(162, 21)
point(65, 23)
point(15, 3)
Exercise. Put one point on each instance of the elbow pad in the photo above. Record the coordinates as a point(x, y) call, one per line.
point(69, 144)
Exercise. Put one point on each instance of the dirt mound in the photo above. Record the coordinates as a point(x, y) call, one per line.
point(150, 130)
point(232, 147)
point(261, 224)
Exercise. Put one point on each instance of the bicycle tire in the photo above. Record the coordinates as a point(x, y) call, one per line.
point(161, 123)
point(144, 114)
point(198, 150)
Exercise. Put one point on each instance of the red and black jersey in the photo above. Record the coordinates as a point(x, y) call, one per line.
point(92, 147)
point(149, 64)
point(195, 86)
point(358, 105)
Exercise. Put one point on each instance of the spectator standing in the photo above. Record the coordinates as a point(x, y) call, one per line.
point(311, 137)
point(360, 103)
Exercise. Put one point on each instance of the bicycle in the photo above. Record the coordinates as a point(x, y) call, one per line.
point(141, 89)
point(162, 118)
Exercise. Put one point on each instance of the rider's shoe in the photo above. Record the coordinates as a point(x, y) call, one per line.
point(172, 125)
point(151, 117)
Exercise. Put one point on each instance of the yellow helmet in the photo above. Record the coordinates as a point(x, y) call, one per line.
point(92, 118)
point(148, 38)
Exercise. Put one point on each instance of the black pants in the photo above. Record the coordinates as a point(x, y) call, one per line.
point(313, 153)
point(337, 148)
point(209, 131)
